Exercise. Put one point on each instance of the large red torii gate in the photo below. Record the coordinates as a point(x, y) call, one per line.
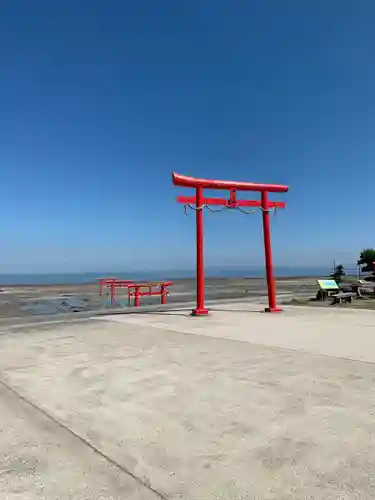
point(200, 202)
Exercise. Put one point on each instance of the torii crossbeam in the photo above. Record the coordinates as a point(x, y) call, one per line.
point(232, 202)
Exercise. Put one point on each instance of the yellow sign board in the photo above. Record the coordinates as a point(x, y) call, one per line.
point(327, 284)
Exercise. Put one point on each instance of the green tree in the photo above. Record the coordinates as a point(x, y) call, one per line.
point(339, 273)
point(367, 260)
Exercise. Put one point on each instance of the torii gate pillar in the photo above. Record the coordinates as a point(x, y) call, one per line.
point(200, 202)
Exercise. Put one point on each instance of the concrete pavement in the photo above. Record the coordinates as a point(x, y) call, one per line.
point(238, 405)
point(41, 460)
point(342, 333)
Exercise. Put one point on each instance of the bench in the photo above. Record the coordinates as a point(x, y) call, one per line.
point(343, 297)
point(364, 288)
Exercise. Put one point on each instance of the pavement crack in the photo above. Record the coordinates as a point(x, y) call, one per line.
point(145, 483)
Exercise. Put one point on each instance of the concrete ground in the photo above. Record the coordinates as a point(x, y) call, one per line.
point(237, 405)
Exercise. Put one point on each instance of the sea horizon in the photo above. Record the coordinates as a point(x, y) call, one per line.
point(217, 272)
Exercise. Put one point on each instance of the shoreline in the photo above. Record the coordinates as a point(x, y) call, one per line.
point(21, 300)
point(176, 280)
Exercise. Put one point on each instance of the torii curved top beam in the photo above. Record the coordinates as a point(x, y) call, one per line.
point(192, 182)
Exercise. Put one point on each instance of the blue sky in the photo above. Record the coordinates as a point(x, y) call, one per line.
point(102, 100)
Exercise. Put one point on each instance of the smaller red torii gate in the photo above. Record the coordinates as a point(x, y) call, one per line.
point(200, 202)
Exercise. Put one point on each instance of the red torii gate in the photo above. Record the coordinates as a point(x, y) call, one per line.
point(200, 202)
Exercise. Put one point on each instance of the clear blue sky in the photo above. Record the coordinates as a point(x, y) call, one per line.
point(101, 100)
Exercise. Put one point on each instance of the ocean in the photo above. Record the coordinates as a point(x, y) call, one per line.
point(81, 278)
